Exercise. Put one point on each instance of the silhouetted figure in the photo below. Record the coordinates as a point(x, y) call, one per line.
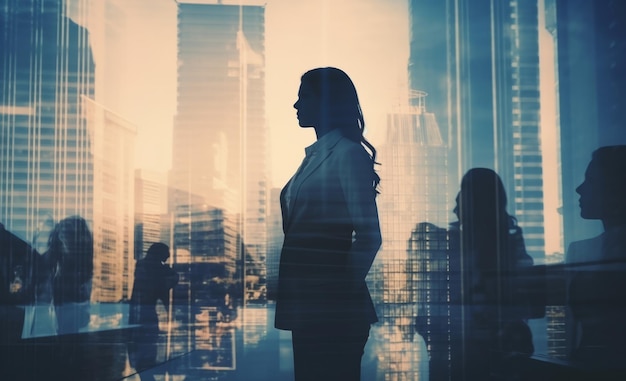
point(487, 308)
point(597, 276)
point(153, 281)
point(62, 306)
point(487, 249)
point(18, 264)
point(332, 234)
point(68, 267)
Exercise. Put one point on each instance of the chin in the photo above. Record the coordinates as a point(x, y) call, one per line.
point(587, 215)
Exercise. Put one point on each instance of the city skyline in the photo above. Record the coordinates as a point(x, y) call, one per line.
point(319, 39)
point(148, 61)
point(172, 121)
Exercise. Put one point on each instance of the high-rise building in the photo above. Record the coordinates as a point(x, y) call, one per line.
point(113, 149)
point(482, 71)
point(46, 159)
point(415, 189)
point(151, 219)
point(428, 267)
point(62, 153)
point(219, 149)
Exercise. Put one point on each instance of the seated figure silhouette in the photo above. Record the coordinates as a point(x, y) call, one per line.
point(597, 266)
point(153, 281)
point(487, 314)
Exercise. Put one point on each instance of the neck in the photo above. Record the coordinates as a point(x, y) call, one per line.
point(613, 222)
point(322, 130)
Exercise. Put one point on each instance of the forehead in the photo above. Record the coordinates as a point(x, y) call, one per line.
point(593, 170)
point(305, 88)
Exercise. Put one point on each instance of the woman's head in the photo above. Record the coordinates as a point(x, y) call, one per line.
point(158, 252)
point(70, 250)
point(71, 240)
point(486, 226)
point(328, 99)
point(602, 193)
point(482, 196)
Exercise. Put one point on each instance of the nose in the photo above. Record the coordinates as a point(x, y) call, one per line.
point(579, 188)
point(295, 105)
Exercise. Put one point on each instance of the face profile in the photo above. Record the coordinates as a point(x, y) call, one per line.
point(602, 191)
point(307, 106)
point(590, 191)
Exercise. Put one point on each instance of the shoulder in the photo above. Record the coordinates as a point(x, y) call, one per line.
point(351, 152)
point(584, 250)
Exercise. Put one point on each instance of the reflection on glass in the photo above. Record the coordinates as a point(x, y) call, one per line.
point(597, 277)
point(150, 121)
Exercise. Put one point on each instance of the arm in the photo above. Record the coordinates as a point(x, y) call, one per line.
point(356, 177)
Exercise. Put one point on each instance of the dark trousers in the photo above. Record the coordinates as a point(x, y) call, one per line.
point(329, 352)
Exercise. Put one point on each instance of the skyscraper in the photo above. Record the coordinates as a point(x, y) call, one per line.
point(415, 189)
point(484, 74)
point(151, 219)
point(219, 151)
point(113, 149)
point(46, 162)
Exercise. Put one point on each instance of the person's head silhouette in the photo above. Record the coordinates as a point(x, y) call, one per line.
point(602, 193)
point(70, 250)
point(482, 198)
point(328, 100)
point(158, 252)
point(488, 231)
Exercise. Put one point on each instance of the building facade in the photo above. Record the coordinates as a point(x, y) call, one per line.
point(220, 136)
point(113, 149)
point(415, 189)
point(152, 223)
point(480, 66)
point(46, 170)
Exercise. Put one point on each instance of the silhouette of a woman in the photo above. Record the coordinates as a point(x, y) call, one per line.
point(487, 250)
point(332, 233)
point(597, 281)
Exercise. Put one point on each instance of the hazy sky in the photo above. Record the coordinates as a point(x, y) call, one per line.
point(369, 39)
point(366, 38)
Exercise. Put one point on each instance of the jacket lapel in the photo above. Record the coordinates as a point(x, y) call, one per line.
point(314, 162)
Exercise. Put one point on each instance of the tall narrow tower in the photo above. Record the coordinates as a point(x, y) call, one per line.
point(219, 151)
point(415, 189)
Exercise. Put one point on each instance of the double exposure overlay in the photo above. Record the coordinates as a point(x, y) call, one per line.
point(144, 145)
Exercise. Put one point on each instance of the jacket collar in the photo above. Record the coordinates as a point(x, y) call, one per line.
point(316, 153)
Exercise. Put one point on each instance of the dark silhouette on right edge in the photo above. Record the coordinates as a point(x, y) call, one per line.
point(597, 266)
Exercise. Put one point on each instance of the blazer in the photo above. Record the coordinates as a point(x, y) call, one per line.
point(332, 235)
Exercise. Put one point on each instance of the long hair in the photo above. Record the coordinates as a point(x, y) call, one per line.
point(158, 252)
point(70, 250)
point(340, 107)
point(486, 225)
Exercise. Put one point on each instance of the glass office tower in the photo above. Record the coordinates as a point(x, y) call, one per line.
point(46, 153)
point(219, 137)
